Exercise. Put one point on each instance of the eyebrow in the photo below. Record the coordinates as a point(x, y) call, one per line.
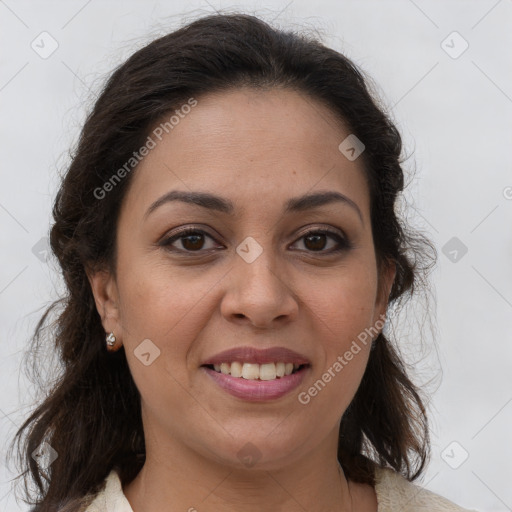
point(220, 204)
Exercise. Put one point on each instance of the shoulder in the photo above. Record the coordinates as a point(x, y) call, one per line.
point(111, 497)
point(394, 492)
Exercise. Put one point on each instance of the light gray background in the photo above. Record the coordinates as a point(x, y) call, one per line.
point(455, 117)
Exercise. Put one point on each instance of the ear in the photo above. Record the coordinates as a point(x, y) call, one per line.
point(387, 276)
point(106, 297)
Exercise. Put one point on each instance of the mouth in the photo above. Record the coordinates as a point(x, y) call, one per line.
point(257, 374)
point(255, 371)
point(252, 382)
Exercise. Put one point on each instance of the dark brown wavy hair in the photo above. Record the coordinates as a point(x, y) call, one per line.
point(91, 414)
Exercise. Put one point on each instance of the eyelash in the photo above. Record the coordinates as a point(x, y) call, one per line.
point(343, 243)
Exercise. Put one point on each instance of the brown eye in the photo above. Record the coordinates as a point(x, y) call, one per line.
point(315, 242)
point(318, 240)
point(191, 240)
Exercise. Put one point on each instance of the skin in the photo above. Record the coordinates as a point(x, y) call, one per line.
point(257, 149)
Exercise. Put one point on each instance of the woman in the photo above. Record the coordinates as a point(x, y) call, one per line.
point(228, 238)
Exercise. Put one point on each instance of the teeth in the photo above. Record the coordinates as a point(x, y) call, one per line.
point(268, 371)
point(236, 369)
point(250, 371)
point(253, 371)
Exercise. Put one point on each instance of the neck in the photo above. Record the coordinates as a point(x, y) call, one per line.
point(184, 480)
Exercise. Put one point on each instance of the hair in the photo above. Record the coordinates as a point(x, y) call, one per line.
point(91, 415)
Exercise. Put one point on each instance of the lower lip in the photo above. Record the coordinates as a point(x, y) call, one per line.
point(254, 390)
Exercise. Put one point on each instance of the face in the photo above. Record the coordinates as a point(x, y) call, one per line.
point(259, 269)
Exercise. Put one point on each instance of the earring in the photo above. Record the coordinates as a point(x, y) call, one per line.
point(110, 339)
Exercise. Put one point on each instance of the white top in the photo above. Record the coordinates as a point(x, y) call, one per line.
point(394, 493)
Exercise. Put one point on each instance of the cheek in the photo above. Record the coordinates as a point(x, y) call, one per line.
point(344, 301)
point(342, 315)
point(343, 312)
point(167, 308)
point(156, 298)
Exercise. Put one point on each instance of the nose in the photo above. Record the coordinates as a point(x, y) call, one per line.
point(259, 293)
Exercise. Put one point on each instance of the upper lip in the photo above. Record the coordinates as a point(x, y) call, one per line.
point(257, 355)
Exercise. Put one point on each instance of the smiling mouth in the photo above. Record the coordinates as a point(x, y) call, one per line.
point(254, 371)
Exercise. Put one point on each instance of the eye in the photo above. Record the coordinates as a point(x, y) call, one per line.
point(193, 240)
point(190, 239)
point(317, 239)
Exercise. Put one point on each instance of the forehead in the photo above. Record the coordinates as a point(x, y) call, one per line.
point(254, 146)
